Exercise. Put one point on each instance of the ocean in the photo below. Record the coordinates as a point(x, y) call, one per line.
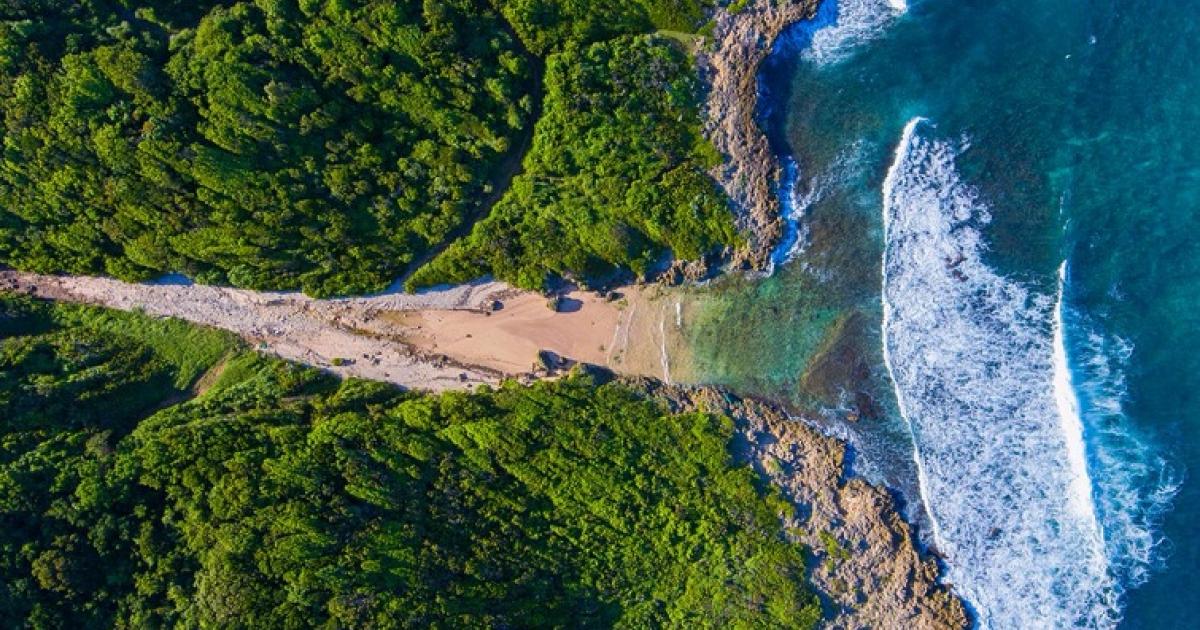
point(990, 287)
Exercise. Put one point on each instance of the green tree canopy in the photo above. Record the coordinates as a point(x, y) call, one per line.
point(615, 179)
point(281, 497)
point(271, 144)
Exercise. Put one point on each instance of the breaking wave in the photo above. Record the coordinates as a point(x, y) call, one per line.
point(797, 196)
point(839, 28)
point(1136, 484)
point(980, 370)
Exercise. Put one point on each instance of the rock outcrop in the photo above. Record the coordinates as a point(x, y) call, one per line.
point(751, 173)
point(865, 564)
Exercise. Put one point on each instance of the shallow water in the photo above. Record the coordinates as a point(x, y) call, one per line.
point(1024, 370)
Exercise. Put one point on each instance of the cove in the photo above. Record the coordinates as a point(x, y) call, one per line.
point(990, 286)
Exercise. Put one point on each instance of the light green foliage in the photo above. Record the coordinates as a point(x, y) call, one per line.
point(315, 144)
point(616, 177)
point(283, 498)
point(188, 350)
point(737, 6)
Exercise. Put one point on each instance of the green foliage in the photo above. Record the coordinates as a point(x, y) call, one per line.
point(73, 382)
point(320, 144)
point(331, 145)
point(546, 25)
point(615, 178)
point(188, 350)
point(283, 498)
point(737, 6)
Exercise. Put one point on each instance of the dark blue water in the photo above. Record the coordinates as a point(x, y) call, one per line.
point(1029, 175)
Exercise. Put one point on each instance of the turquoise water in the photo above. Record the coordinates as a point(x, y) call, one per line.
point(1008, 194)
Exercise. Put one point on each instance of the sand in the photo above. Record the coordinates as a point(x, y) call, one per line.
point(454, 338)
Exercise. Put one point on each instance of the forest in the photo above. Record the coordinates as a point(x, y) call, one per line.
point(616, 175)
point(334, 146)
point(156, 474)
point(269, 144)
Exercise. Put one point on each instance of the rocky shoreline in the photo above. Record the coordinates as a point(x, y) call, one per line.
point(865, 563)
point(751, 174)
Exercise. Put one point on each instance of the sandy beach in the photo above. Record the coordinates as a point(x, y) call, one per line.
point(454, 338)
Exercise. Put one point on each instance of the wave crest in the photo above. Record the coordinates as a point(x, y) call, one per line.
point(1137, 483)
point(839, 28)
point(971, 354)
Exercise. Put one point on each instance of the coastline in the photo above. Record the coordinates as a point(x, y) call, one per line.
point(946, 441)
point(865, 561)
point(457, 338)
point(751, 176)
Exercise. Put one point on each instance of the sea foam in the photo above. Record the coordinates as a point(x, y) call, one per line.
point(1134, 483)
point(841, 26)
point(1067, 403)
point(981, 377)
point(798, 195)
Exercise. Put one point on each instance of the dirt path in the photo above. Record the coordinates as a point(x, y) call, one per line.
point(449, 339)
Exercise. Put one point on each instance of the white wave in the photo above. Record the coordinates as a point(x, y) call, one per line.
point(791, 211)
point(888, 191)
point(797, 197)
point(840, 27)
point(1069, 419)
point(972, 357)
point(1134, 484)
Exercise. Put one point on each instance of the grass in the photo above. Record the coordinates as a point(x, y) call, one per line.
point(689, 41)
point(192, 350)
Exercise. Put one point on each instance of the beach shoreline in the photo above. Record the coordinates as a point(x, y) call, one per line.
point(477, 334)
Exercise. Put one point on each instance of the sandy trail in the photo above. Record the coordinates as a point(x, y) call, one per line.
point(448, 339)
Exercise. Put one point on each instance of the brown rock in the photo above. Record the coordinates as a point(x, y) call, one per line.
point(865, 564)
point(751, 173)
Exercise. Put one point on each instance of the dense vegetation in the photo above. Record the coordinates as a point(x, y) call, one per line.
point(617, 174)
point(331, 145)
point(545, 25)
point(270, 144)
point(280, 497)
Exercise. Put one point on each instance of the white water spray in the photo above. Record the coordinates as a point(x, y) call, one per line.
point(979, 367)
point(842, 26)
point(1069, 420)
point(888, 188)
